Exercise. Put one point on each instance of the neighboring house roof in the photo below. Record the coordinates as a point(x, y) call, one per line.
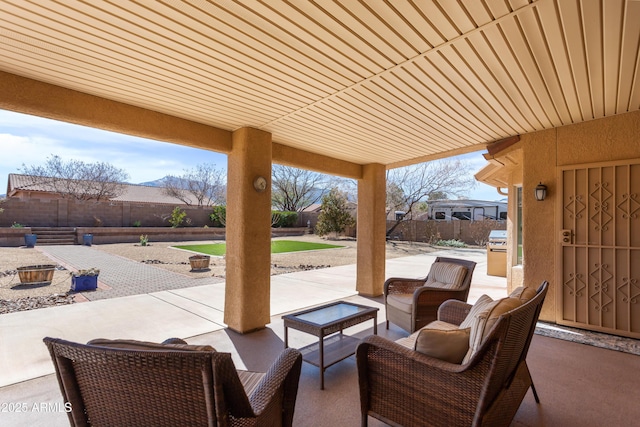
point(17, 182)
point(146, 194)
point(315, 207)
point(132, 192)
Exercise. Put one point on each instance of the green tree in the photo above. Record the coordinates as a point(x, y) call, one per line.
point(334, 215)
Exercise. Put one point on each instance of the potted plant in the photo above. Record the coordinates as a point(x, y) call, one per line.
point(84, 280)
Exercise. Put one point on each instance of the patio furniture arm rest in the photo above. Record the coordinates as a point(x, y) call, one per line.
point(453, 311)
point(398, 285)
point(284, 375)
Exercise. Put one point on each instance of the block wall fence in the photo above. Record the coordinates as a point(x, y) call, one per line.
point(73, 213)
point(108, 219)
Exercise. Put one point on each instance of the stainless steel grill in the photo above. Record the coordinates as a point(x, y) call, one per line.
point(497, 253)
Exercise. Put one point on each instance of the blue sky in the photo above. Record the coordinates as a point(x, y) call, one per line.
point(29, 140)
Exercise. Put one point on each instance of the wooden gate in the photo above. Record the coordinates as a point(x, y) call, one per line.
point(599, 231)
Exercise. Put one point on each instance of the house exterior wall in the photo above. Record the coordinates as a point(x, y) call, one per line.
point(602, 140)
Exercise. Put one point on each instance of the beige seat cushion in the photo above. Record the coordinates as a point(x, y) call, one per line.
point(484, 320)
point(410, 341)
point(446, 275)
point(523, 293)
point(448, 345)
point(402, 302)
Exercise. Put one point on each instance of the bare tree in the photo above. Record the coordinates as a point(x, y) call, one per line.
point(409, 186)
point(294, 189)
point(75, 179)
point(347, 186)
point(202, 186)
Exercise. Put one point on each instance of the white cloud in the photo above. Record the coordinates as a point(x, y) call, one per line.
point(30, 140)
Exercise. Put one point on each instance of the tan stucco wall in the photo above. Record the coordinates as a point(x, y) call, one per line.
point(302, 159)
point(602, 140)
point(248, 258)
point(539, 154)
point(372, 226)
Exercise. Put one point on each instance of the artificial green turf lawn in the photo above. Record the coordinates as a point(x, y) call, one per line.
point(277, 246)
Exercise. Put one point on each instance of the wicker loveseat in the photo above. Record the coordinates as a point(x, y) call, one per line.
point(134, 383)
point(402, 386)
point(412, 303)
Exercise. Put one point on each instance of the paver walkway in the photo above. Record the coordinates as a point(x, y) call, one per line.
point(125, 277)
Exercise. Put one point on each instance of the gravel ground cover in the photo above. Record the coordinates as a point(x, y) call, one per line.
point(17, 297)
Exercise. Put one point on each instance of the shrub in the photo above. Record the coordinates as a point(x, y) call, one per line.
point(284, 218)
point(137, 223)
point(453, 243)
point(144, 240)
point(219, 216)
point(17, 225)
point(177, 217)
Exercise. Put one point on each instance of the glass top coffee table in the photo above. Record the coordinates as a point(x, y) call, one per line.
point(324, 321)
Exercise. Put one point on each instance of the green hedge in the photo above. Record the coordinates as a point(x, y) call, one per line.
point(285, 219)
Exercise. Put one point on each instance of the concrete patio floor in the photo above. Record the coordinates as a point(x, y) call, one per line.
point(195, 314)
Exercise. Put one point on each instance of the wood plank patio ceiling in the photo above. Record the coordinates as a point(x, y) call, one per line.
point(369, 81)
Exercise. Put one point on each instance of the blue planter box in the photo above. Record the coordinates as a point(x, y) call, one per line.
point(84, 283)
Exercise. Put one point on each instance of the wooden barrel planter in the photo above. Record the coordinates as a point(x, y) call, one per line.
point(33, 274)
point(199, 262)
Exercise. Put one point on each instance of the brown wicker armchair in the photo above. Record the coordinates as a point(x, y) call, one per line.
point(411, 304)
point(401, 386)
point(134, 383)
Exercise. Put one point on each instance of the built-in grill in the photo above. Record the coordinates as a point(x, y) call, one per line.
point(497, 253)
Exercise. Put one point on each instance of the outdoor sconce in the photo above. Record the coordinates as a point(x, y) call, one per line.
point(260, 184)
point(541, 192)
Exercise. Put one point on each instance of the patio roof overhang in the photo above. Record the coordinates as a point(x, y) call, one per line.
point(391, 83)
point(344, 87)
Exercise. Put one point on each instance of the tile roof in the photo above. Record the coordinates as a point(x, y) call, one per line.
point(132, 192)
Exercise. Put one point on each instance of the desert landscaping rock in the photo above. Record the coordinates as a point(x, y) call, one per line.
point(32, 303)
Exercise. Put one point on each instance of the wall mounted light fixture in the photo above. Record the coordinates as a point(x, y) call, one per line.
point(260, 184)
point(541, 192)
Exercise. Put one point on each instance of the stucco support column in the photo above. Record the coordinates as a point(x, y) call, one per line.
point(248, 232)
point(372, 227)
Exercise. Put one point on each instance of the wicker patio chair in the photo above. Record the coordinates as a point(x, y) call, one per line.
point(413, 303)
point(134, 383)
point(401, 386)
